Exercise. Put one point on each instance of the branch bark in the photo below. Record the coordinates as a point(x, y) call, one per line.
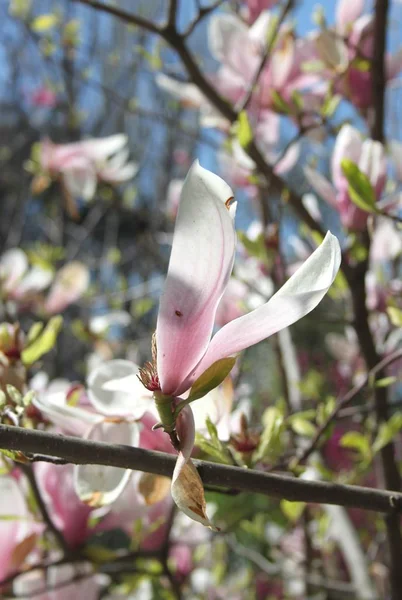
point(80, 451)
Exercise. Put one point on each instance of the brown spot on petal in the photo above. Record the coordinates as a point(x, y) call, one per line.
point(229, 202)
point(178, 313)
point(113, 420)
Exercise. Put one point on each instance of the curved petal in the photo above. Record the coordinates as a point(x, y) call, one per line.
point(348, 145)
point(199, 269)
point(97, 485)
point(13, 265)
point(115, 390)
point(81, 180)
point(101, 148)
point(36, 280)
point(187, 489)
point(70, 283)
point(300, 295)
point(71, 419)
point(321, 186)
point(347, 12)
point(222, 32)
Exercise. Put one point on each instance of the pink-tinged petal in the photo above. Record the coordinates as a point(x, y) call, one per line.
point(282, 61)
point(115, 390)
point(13, 265)
point(187, 490)
point(97, 485)
point(255, 7)
point(223, 29)
point(299, 296)
point(348, 145)
point(393, 64)
point(258, 32)
point(347, 12)
point(289, 160)
point(387, 241)
point(321, 186)
point(199, 269)
point(70, 283)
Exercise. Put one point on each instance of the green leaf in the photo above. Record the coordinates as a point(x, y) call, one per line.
point(44, 23)
point(255, 247)
point(211, 378)
point(218, 453)
point(385, 381)
point(243, 130)
point(356, 441)
point(270, 445)
point(44, 343)
point(302, 426)
point(361, 191)
point(292, 510)
point(34, 331)
point(387, 431)
point(279, 103)
point(395, 316)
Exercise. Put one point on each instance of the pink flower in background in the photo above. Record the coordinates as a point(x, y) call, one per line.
point(44, 97)
point(370, 158)
point(255, 8)
point(70, 283)
point(82, 164)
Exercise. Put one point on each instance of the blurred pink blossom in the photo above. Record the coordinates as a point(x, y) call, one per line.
point(44, 97)
point(370, 158)
point(82, 164)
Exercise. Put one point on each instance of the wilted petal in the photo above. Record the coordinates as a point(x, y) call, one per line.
point(200, 265)
point(97, 485)
point(300, 295)
point(187, 489)
point(70, 283)
point(114, 389)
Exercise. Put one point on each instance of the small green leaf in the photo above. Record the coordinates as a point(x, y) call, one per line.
point(211, 378)
point(34, 332)
point(270, 445)
point(279, 103)
point(387, 431)
point(44, 23)
point(302, 426)
point(44, 343)
point(385, 381)
point(244, 131)
point(356, 441)
point(292, 510)
point(361, 191)
point(395, 316)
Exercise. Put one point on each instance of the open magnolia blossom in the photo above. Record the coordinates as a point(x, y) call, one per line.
point(81, 165)
point(187, 363)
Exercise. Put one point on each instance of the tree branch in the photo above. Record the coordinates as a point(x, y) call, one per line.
point(80, 451)
point(121, 14)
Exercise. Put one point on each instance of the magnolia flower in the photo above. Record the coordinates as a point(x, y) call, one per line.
point(82, 164)
point(370, 158)
point(199, 269)
point(347, 48)
point(70, 283)
point(255, 8)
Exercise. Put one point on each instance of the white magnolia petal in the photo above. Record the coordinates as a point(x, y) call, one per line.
point(36, 280)
point(296, 298)
point(115, 390)
point(100, 323)
point(70, 283)
point(81, 182)
point(71, 419)
point(199, 269)
point(97, 485)
point(188, 93)
point(348, 145)
point(13, 265)
point(100, 149)
point(222, 32)
point(321, 185)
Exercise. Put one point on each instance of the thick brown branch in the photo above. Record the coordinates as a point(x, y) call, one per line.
point(80, 451)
